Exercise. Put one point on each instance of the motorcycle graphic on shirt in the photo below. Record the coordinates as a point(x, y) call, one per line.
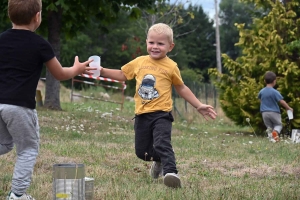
point(146, 90)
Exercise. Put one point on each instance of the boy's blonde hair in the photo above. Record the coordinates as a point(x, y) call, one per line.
point(162, 28)
point(21, 12)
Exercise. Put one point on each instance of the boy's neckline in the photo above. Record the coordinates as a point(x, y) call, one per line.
point(22, 29)
point(158, 59)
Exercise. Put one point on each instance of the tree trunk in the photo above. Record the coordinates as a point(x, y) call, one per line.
point(52, 97)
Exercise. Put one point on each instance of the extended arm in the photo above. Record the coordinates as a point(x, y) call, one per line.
point(64, 73)
point(285, 105)
point(113, 74)
point(188, 95)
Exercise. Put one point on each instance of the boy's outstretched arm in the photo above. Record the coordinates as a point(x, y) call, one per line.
point(285, 105)
point(115, 74)
point(204, 109)
point(65, 73)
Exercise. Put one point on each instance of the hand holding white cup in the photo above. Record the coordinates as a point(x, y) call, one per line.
point(95, 64)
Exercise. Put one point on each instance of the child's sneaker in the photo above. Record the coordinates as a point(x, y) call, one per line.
point(275, 136)
point(156, 170)
point(269, 133)
point(12, 196)
point(172, 180)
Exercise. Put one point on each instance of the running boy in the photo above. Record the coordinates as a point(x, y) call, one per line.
point(22, 54)
point(155, 74)
point(269, 98)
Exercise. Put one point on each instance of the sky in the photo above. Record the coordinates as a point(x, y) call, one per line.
point(207, 5)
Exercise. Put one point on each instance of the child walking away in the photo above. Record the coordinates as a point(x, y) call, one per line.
point(155, 75)
point(22, 55)
point(269, 98)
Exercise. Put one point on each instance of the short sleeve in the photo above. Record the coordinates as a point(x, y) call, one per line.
point(129, 69)
point(176, 77)
point(46, 51)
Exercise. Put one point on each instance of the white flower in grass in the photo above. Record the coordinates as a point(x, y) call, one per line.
point(247, 119)
point(81, 127)
point(250, 142)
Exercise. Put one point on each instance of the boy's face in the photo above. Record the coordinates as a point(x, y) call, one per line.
point(158, 45)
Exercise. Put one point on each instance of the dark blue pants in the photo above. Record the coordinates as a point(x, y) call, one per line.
point(153, 139)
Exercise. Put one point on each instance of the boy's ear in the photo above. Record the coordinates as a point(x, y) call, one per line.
point(37, 16)
point(171, 47)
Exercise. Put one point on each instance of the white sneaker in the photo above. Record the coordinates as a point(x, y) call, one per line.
point(269, 133)
point(12, 196)
point(172, 180)
point(156, 170)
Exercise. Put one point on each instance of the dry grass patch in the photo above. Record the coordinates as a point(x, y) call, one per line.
point(240, 169)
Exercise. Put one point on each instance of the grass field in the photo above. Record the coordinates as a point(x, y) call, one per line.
point(215, 159)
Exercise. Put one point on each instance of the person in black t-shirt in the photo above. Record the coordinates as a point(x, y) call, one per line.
point(22, 55)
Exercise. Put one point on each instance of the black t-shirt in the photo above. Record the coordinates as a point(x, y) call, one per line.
point(22, 54)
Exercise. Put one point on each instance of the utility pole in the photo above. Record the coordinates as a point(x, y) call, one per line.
point(218, 46)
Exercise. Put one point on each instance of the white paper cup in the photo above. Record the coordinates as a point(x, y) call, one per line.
point(96, 63)
point(290, 114)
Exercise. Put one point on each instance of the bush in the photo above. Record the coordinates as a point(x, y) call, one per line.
point(269, 46)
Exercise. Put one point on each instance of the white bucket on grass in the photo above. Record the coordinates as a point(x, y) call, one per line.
point(89, 188)
point(295, 135)
point(68, 182)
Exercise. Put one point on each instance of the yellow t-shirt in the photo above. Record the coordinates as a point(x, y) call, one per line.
point(154, 80)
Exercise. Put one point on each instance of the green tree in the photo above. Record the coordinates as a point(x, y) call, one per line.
point(197, 47)
point(68, 17)
point(232, 12)
point(271, 45)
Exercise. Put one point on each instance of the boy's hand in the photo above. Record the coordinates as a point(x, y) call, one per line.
point(207, 110)
point(88, 72)
point(83, 68)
